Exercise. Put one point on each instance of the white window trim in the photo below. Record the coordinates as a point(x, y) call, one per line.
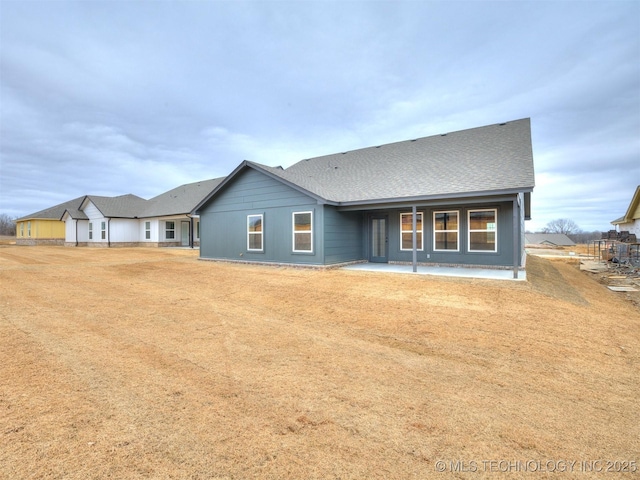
point(261, 215)
point(445, 231)
point(293, 229)
point(421, 246)
point(470, 231)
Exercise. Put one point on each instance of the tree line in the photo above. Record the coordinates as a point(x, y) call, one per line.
point(7, 225)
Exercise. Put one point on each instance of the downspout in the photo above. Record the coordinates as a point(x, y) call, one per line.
point(516, 239)
point(76, 232)
point(414, 237)
point(109, 232)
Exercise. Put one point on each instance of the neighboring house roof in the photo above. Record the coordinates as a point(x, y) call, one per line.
point(180, 200)
point(55, 212)
point(633, 212)
point(557, 239)
point(488, 160)
point(122, 206)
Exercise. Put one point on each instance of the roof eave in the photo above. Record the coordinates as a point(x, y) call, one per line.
point(428, 198)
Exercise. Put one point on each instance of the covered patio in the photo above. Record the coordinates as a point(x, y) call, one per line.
point(463, 272)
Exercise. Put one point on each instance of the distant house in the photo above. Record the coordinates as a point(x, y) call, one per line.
point(127, 220)
point(630, 222)
point(43, 227)
point(459, 198)
point(551, 239)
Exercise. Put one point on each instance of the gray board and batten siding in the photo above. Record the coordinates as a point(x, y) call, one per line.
point(338, 236)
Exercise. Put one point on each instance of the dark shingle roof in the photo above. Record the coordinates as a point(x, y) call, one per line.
point(123, 206)
point(55, 212)
point(180, 200)
point(490, 159)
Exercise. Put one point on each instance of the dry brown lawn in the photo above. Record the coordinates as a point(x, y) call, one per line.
point(147, 363)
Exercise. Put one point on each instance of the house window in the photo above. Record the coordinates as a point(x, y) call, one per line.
point(28, 229)
point(147, 230)
point(482, 230)
point(170, 230)
point(90, 231)
point(198, 229)
point(445, 231)
point(21, 229)
point(406, 231)
point(255, 233)
point(302, 232)
point(103, 230)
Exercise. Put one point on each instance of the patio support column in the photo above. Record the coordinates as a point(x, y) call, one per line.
point(516, 238)
point(191, 231)
point(414, 237)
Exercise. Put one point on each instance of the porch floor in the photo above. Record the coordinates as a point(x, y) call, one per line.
point(466, 272)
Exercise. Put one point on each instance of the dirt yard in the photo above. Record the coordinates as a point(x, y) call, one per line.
point(148, 363)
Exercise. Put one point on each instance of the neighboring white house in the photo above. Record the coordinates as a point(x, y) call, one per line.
point(128, 220)
point(630, 222)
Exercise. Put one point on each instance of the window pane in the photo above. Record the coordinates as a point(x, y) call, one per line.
point(255, 223)
point(407, 222)
point(446, 221)
point(407, 240)
point(446, 241)
point(303, 241)
point(302, 222)
point(255, 241)
point(484, 241)
point(170, 225)
point(482, 220)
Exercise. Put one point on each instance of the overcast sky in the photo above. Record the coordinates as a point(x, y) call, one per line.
point(115, 97)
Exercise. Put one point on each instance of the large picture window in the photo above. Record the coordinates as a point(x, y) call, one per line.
point(302, 232)
point(446, 228)
point(483, 228)
point(255, 233)
point(169, 230)
point(406, 231)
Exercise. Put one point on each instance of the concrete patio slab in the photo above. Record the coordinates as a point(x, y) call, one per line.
point(465, 272)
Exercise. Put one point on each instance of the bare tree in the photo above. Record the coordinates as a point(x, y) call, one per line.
point(7, 225)
point(561, 225)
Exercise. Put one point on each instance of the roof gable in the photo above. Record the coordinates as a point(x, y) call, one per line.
point(633, 212)
point(272, 172)
point(123, 206)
